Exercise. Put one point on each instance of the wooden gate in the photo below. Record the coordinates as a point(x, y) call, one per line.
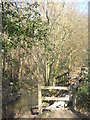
point(41, 98)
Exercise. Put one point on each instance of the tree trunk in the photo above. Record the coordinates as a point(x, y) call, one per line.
point(20, 72)
point(47, 73)
point(3, 71)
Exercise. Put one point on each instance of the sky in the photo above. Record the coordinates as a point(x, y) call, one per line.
point(81, 5)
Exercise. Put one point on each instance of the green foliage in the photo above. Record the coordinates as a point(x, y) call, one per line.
point(47, 47)
point(21, 29)
point(27, 24)
point(6, 45)
point(83, 94)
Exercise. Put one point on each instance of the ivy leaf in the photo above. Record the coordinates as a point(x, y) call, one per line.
point(29, 45)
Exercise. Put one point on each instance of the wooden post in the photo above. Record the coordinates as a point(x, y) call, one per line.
point(74, 98)
point(39, 99)
point(70, 59)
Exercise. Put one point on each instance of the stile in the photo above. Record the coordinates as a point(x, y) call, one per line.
point(40, 98)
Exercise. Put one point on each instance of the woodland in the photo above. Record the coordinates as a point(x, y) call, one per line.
point(40, 42)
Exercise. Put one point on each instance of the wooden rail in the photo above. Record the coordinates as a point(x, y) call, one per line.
point(56, 98)
point(54, 87)
point(41, 98)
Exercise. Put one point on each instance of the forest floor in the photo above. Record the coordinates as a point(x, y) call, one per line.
point(65, 113)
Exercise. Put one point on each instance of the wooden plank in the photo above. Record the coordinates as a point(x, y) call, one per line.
point(54, 87)
point(39, 99)
point(56, 98)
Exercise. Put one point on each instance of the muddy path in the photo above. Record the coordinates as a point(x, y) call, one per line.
point(65, 113)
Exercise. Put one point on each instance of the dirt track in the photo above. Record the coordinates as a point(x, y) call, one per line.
point(66, 113)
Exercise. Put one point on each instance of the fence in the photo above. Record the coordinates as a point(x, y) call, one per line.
point(41, 98)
